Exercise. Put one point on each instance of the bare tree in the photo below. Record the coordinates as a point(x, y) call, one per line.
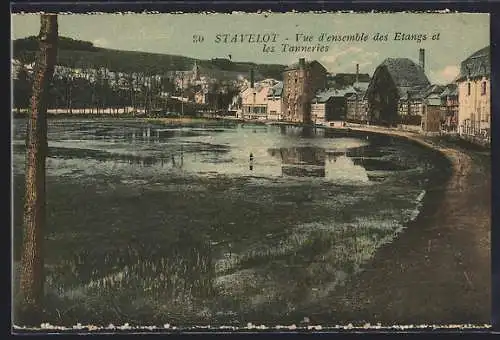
point(32, 277)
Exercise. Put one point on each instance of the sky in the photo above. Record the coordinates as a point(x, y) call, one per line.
point(460, 35)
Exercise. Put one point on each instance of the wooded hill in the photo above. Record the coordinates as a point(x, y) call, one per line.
point(83, 54)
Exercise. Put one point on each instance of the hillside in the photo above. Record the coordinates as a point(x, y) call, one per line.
point(81, 54)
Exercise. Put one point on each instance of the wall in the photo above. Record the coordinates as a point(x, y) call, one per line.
point(431, 120)
point(299, 88)
point(383, 99)
point(254, 102)
point(474, 109)
point(293, 95)
point(274, 108)
point(318, 112)
point(357, 108)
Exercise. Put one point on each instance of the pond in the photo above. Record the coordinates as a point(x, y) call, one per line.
point(214, 223)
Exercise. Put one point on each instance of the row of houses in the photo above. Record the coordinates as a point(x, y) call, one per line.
point(203, 79)
point(398, 94)
point(304, 94)
point(401, 94)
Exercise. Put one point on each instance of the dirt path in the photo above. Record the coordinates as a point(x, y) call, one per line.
point(438, 270)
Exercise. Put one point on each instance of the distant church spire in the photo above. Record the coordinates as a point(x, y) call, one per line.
point(196, 70)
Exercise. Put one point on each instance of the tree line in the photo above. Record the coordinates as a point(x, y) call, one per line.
point(93, 91)
point(77, 53)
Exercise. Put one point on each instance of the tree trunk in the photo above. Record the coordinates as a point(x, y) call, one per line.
point(31, 276)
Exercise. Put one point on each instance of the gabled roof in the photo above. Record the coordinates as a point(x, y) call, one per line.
point(405, 73)
point(408, 77)
point(477, 65)
point(451, 90)
point(433, 89)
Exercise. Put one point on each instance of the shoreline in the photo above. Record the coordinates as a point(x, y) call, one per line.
point(436, 271)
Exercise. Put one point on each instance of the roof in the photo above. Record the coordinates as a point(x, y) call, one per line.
point(361, 87)
point(405, 73)
point(433, 89)
point(296, 66)
point(477, 65)
point(325, 95)
point(276, 90)
point(451, 90)
point(409, 78)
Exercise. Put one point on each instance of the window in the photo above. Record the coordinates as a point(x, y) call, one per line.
point(468, 89)
point(483, 88)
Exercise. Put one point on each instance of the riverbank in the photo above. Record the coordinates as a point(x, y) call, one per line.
point(438, 270)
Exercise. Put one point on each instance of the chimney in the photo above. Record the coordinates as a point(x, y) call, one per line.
point(421, 58)
point(302, 62)
point(251, 78)
point(357, 73)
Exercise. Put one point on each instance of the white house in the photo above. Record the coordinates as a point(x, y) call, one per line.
point(16, 66)
point(474, 116)
point(254, 100)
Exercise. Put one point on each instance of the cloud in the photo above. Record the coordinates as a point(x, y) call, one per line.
point(450, 72)
point(343, 60)
point(333, 58)
point(446, 75)
point(100, 42)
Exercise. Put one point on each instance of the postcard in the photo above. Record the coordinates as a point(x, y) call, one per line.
point(251, 171)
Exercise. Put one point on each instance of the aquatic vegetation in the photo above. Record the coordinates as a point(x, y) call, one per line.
point(172, 224)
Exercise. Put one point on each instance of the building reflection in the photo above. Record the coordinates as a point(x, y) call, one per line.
point(315, 159)
point(301, 161)
point(311, 161)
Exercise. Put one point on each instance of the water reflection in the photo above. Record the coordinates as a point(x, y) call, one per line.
point(301, 161)
point(244, 150)
point(312, 161)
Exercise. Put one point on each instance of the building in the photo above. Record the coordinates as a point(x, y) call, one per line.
point(275, 101)
point(357, 105)
point(322, 103)
point(254, 101)
point(449, 106)
point(331, 105)
point(201, 97)
point(473, 85)
point(301, 81)
point(16, 67)
point(412, 104)
point(432, 113)
point(396, 87)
